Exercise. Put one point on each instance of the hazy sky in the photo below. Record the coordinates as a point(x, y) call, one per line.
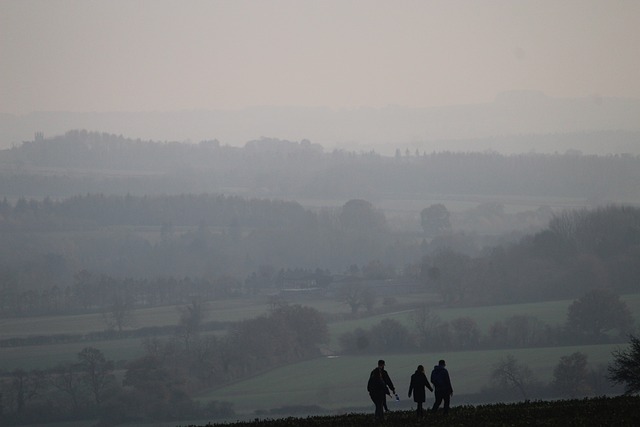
point(158, 55)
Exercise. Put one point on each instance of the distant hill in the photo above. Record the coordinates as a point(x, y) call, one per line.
point(80, 162)
point(498, 126)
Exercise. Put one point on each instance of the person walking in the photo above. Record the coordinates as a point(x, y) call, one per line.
point(417, 387)
point(377, 391)
point(442, 384)
point(387, 381)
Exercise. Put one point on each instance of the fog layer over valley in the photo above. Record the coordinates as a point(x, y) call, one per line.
point(223, 210)
point(198, 268)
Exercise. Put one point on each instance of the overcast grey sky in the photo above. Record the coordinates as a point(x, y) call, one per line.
point(160, 55)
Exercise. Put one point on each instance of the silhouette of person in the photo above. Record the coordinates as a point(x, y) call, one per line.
point(377, 391)
point(387, 381)
point(442, 384)
point(417, 386)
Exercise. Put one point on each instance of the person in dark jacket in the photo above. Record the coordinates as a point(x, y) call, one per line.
point(387, 381)
point(417, 387)
point(378, 392)
point(442, 384)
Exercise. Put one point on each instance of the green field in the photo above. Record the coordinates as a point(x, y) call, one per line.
point(28, 357)
point(47, 356)
point(553, 313)
point(340, 382)
point(228, 310)
point(331, 382)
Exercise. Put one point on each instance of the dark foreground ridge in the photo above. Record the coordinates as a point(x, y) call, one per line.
point(601, 411)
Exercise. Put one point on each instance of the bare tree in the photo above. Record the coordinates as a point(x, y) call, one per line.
point(97, 371)
point(66, 378)
point(191, 317)
point(512, 374)
point(465, 332)
point(351, 294)
point(119, 313)
point(425, 322)
point(25, 386)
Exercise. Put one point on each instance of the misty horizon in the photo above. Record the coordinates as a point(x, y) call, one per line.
point(515, 122)
point(218, 210)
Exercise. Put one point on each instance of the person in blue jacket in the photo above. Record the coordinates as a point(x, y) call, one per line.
point(442, 384)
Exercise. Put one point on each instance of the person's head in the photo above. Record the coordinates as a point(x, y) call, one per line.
point(441, 363)
point(420, 368)
point(381, 364)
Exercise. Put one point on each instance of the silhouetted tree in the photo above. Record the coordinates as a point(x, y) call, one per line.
point(360, 216)
point(353, 294)
point(625, 368)
point(97, 372)
point(597, 312)
point(465, 332)
point(119, 313)
point(571, 376)
point(435, 219)
point(191, 317)
point(427, 325)
point(66, 377)
point(24, 386)
point(519, 331)
point(509, 373)
point(390, 335)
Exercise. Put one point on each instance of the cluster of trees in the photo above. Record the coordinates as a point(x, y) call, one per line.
point(572, 376)
point(284, 169)
point(104, 267)
point(113, 296)
point(198, 236)
point(597, 316)
point(580, 250)
point(117, 297)
point(166, 211)
point(88, 388)
point(160, 384)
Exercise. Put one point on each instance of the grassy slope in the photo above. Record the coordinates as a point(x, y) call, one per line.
point(328, 382)
point(341, 382)
point(338, 382)
point(617, 411)
point(552, 312)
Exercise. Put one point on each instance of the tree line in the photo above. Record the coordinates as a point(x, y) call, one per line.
point(181, 210)
point(116, 297)
point(268, 167)
point(160, 385)
point(52, 270)
point(45, 243)
point(599, 316)
point(580, 250)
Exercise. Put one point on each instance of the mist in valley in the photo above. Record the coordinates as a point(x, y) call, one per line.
point(222, 211)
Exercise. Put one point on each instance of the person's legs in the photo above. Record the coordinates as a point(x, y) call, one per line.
point(384, 403)
point(380, 408)
point(375, 402)
point(447, 400)
point(419, 410)
point(379, 402)
point(438, 401)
